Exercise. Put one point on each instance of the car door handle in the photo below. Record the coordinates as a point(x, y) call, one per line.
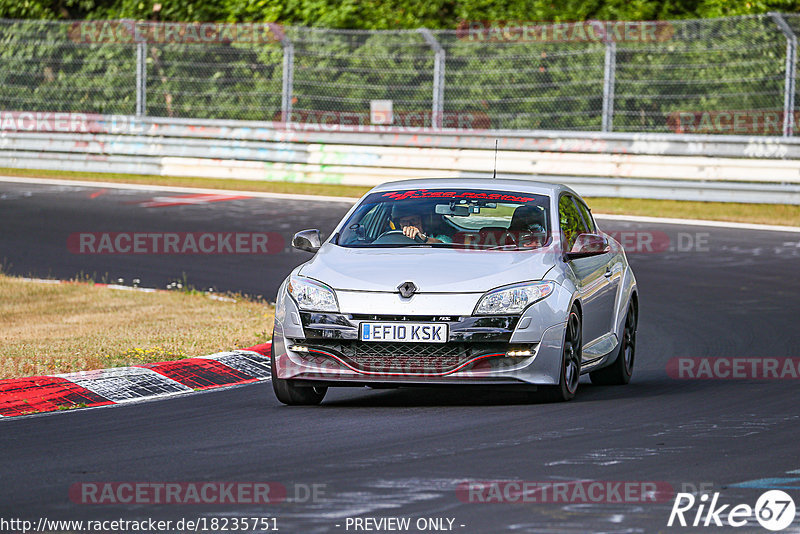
point(608, 272)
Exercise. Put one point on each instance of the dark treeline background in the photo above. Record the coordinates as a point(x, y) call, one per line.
point(386, 14)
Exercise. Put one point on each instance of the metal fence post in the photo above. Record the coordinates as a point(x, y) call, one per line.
point(439, 56)
point(790, 74)
point(287, 84)
point(141, 79)
point(609, 76)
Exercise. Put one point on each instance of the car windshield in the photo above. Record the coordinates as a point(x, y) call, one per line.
point(457, 218)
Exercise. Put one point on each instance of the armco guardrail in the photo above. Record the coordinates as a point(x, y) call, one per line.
point(682, 167)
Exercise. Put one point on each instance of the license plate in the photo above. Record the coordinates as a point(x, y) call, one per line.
point(404, 332)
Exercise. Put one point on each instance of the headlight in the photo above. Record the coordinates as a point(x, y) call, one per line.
point(312, 295)
point(513, 299)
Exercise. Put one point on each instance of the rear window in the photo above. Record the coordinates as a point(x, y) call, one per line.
point(449, 218)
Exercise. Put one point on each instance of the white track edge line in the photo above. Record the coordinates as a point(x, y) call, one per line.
point(289, 196)
point(699, 222)
point(176, 189)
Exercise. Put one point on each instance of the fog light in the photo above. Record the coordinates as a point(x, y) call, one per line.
point(517, 353)
point(298, 348)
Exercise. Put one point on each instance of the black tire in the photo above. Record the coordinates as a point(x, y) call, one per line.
point(619, 373)
point(293, 395)
point(570, 362)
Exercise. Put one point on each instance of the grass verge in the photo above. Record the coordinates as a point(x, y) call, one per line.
point(59, 328)
point(297, 188)
point(780, 214)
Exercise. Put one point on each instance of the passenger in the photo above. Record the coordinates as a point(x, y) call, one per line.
point(530, 226)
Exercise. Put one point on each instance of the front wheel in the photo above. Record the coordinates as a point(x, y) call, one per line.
point(291, 394)
point(619, 373)
point(570, 361)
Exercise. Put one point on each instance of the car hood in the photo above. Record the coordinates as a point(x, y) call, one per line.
point(433, 270)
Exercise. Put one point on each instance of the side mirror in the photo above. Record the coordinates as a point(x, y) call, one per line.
point(307, 240)
point(587, 245)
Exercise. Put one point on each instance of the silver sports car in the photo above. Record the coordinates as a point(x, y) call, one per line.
point(453, 281)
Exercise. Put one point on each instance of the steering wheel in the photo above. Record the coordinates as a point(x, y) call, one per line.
point(396, 237)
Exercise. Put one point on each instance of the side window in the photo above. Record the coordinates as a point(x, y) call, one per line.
point(571, 222)
point(587, 216)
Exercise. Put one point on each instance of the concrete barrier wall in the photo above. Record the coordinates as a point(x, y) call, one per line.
point(645, 166)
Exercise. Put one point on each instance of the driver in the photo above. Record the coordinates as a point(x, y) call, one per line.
point(409, 220)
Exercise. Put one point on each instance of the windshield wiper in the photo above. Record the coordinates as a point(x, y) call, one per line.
point(355, 244)
point(511, 247)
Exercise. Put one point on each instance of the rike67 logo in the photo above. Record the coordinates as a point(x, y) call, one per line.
point(774, 510)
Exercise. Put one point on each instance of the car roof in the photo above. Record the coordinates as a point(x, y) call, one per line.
point(495, 184)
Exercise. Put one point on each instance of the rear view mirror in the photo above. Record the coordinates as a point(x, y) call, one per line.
point(307, 240)
point(447, 209)
point(587, 245)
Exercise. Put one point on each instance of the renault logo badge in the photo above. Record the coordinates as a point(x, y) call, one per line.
point(407, 289)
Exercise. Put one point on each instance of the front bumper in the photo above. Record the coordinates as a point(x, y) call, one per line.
point(325, 347)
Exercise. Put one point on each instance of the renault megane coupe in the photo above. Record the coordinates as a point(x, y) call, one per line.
point(457, 281)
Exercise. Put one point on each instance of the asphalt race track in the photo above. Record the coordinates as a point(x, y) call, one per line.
point(37, 221)
point(707, 292)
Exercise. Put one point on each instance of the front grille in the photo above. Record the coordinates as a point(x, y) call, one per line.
point(428, 358)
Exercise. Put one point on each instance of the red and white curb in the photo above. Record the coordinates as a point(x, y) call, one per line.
point(103, 387)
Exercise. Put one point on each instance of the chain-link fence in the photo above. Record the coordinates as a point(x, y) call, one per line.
point(725, 76)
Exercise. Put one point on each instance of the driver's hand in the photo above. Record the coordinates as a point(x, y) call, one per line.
point(411, 231)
